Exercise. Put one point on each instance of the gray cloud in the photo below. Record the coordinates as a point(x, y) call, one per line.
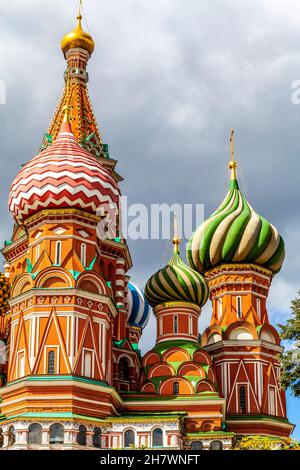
point(169, 78)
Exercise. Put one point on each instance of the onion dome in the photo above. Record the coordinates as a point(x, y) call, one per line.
point(4, 294)
point(138, 307)
point(176, 282)
point(78, 39)
point(62, 176)
point(235, 233)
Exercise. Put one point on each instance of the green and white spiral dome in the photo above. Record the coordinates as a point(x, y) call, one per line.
point(176, 282)
point(235, 233)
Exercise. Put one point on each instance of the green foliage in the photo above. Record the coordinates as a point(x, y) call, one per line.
point(291, 358)
point(266, 443)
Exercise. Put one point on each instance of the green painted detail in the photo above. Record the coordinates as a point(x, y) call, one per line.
point(210, 433)
point(189, 346)
point(55, 378)
point(29, 265)
point(203, 396)
point(109, 284)
point(120, 344)
point(92, 263)
point(89, 137)
point(64, 415)
point(8, 242)
point(117, 240)
point(49, 138)
point(75, 274)
point(254, 417)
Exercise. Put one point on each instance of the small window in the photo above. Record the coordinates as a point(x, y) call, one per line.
point(35, 434)
point(258, 308)
point(83, 254)
point(129, 439)
point(190, 325)
point(56, 434)
point(220, 308)
point(239, 307)
point(88, 357)
point(51, 362)
point(97, 438)
point(58, 253)
point(175, 388)
point(1, 438)
point(21, 360)
point(37, 252)
point(11, 436)
point(81, 436)
point(272, 401)
point(242, 393)
point(157, 437)
point(175, 324)
point(197, 445)
point(123, 369)
point(161, 326)
point(216, 445)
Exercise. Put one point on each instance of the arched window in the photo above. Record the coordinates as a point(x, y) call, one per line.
point(58, 253)
point(83, 254)
point(1, 438)
point(258, 308)
point(11, 436)
point(157, 437)
point(242, 397)
point(175, 324)
point(97, 438)
point(81, 436)
point(35, 434)
point(129, 439)
point(51, 362)
point(197, 445)
point(220, 308)
point(161, 326)
point(175, 388)
point(239, 306)
point(216, 445)
point(56, 434)
point(190, 325)
point(123, 369)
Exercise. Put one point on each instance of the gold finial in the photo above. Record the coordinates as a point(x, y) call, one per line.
point(67, 112)
point(232, 164)
point(78, 38)
point(176, 240)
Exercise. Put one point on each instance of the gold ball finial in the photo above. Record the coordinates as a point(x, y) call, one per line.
point(78, 38)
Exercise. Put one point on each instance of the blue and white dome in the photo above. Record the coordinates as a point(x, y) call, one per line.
point(138, 307)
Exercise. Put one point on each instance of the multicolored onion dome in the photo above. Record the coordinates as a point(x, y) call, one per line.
point(176, 282)
point(62, 176)
point(138, 307)
point(78, 38)
point(235, 233)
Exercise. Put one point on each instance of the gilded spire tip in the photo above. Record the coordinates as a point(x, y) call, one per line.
point(232, 164)
point(176, 240)
point(67, 113)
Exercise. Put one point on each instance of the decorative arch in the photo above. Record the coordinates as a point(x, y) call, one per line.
point(22, 283)
point(53, 278)
point(161, 370)
point(240, 330)
point(270, 334)
point(176, 355)
point(148, 387)
point(185, 387)
point(191, 369)
point(150, 358)
point(205, 386)
point(202, 357)
point(91, 282)
point(211, 335)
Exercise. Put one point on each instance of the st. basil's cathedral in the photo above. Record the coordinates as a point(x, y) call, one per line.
point(71, 318)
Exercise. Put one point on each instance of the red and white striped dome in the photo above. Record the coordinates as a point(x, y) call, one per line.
point(62, 176)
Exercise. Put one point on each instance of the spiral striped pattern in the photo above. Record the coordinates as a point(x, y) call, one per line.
point(138, 307)
point(62, 176)
point(176, 282)
point(235, 233)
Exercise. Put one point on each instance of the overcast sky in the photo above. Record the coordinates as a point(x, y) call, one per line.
point(168, 79)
